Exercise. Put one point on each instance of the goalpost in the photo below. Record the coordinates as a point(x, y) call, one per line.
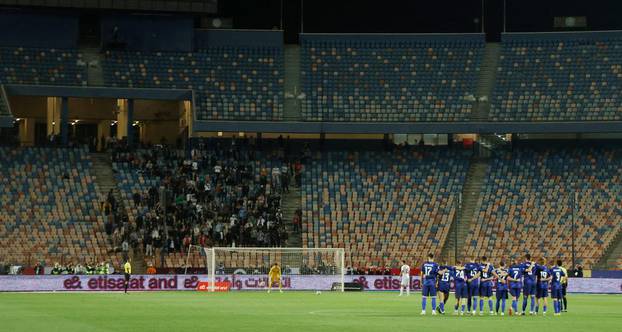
point(247, 268)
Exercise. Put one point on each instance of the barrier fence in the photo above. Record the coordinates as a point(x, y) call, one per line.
point(243, 282)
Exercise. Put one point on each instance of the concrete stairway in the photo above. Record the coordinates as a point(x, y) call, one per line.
point(94, 61)
point(466, 213)
point(105, 180)
point(104, 177)
point(102, 169)
point(612, 256)
point(292, 105)
point(486, 81)
point(289, 204)
point(139, 266)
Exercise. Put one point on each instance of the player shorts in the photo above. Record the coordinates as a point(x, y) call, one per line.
point(461, 291)
point(529, 288)
point(405, 281)
point(485, 290)
point(557, 292)
point(542, 292)
point(429, 289)
point(515, 291)
point(502, 293)
point(274, 280)
point(443, 287)
point(127, 277)
point(473, 289)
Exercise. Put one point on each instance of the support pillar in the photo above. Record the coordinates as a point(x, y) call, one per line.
point(125, 119)
point(64, 120)
point(27, 132)
point(103, 131)
point(185, 117)
point(121, 118)
point(53, 115)
point(130, 122)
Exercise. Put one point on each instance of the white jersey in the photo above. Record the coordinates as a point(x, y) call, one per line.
point(405, 273)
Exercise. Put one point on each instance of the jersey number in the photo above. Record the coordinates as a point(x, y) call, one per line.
point(515, 275)
point(428, 269)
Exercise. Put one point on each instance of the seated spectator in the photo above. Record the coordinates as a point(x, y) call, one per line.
point(57, 269)
point(151, 269)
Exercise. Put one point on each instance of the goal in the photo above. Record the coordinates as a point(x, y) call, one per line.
point(247, 268)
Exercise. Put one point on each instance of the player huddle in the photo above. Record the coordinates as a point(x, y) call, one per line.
point(475, 281)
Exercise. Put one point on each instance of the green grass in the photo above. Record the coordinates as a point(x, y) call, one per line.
point(297, 311)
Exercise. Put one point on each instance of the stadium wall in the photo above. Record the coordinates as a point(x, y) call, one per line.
point(244, 282)
point(408, 128)
point(474, 37)
point(557, 36)
point(214, 38)
point(38, 30)
point(149, 32)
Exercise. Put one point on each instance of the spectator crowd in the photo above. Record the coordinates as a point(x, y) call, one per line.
point(218, 193)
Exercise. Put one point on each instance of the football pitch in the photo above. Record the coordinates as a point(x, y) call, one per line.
point(297, 311)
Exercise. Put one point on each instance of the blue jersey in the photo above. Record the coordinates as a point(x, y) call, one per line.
point(530, 276)
point(458, 275)
point(487, 273)
point(516, 272)
point(556, 273)
point(430, 271)
point(502, 280)
point(445, 277)
point(471, 270)
point(543, 273)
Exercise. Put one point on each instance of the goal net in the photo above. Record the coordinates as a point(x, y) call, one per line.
point(247, 268)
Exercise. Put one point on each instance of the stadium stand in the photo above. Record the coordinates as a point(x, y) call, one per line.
point(526, 204)
point(564, 77)
point(230, 83)
point(235, 197)
point(381, 207)
point(389, 78)
point(50, 209)
point(42, 66)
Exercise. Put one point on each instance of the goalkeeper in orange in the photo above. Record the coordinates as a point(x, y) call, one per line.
point(274, 276)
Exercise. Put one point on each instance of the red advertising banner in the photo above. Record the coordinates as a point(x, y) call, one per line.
point(220, 286)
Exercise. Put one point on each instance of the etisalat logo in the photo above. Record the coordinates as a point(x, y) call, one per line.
point(118, 283)
point(385, 283)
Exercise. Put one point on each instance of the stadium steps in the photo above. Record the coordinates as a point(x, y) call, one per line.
point(94, 60)
point(291, 202)
point(105, 180)
point(486, 81)
point(139, 266)
point(292, 105)
point(102, 169)
point(104, 177)
point(471, 192)
point(612, 256)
